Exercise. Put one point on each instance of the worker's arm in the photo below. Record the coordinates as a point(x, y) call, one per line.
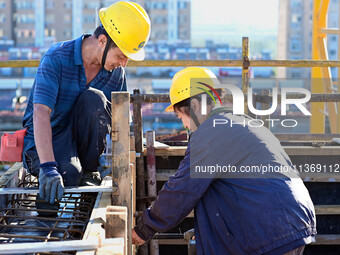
point(46, 90)
point(174, 202)
point(43, 132)
point(45, 94)
point(51, 185)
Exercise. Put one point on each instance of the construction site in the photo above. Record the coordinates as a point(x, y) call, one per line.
point(100, 219)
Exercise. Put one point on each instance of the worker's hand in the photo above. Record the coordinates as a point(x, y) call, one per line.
point(51, 185)
point(136, 239)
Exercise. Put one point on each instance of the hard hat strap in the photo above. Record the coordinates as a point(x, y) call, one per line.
point(108, 42)
point(194, 118)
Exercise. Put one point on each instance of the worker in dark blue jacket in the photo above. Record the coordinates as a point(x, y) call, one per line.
point(247, 196)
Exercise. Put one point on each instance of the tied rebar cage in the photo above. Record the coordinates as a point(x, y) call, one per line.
point(20, 221)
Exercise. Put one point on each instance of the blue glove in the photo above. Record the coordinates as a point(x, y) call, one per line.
point(51, 185)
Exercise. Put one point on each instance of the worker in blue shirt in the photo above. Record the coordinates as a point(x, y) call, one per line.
point(236, 211)
point(69, 112)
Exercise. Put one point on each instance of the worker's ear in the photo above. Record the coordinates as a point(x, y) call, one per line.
point(102, 39)
point(195, 105)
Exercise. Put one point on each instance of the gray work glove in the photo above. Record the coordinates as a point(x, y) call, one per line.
point(51, 185)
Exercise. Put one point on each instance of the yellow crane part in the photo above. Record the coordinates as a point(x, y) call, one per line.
point(321, 76)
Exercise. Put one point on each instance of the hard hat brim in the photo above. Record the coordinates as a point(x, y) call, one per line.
point(139, 56)
point(170, 108)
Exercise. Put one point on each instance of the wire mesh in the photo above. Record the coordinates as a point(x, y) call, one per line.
point(21, 221)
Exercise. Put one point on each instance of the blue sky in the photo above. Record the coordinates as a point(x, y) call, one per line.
point(226, 19)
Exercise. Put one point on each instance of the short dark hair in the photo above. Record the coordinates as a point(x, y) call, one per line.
point(100, 30)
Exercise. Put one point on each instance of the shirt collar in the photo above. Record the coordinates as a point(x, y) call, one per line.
point(78, 59)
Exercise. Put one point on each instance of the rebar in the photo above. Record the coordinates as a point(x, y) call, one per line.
point(20, 220)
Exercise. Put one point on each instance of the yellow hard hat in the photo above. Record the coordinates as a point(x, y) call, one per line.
point(189, 82)
point(128, 25)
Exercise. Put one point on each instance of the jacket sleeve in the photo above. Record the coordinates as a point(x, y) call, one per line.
point(174, 202)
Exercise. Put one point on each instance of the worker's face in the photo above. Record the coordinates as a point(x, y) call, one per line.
point(115, 58)
point(183, 117)
point(195, 108)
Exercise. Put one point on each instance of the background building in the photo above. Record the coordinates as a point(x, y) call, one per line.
point(6, 24)
point(170, 19)
point(295, 34)
point(39, 23)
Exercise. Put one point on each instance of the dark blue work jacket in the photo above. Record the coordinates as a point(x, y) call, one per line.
point(234, 213)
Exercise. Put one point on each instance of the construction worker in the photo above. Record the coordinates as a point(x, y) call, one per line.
point(68, 114)
point(235, 212)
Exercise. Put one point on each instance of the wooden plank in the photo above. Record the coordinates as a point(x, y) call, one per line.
point(320, 177)
point(245, 68)
point(99, 210)
point(170, 137)
point(133, 192)
point(114, 244)
point(151, 163)
point(157, 145)
point(268, 63)
point(116, 224)
point(164, 175)
point(320, 240)
point(133, 184)
point(138, 133)
point(67, 190)
point(290, 150)
point(10, 173)
point(327, 240)
point(164, 98)
point(319, 210)
point(312, 151)
point(187, 63)
point(327, 209)
point(132, 143)
point(306, 137)
point(171, 151)
point(171, 242)
point(94, 228)
point(121, 174)
point(152, 183)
